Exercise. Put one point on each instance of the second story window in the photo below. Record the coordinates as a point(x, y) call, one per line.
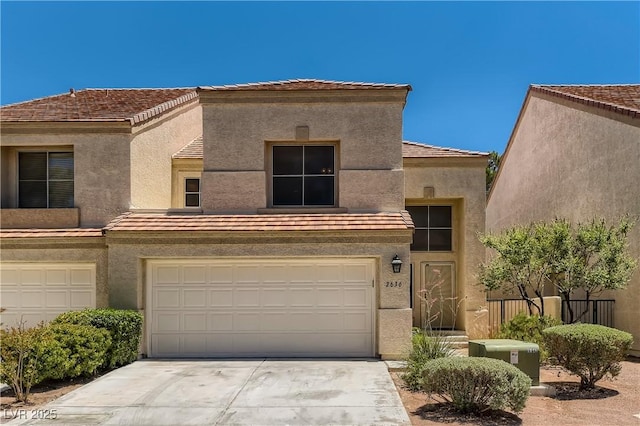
point(192, 192)
point(303, 175)
point(45, 179)
point(434, 230)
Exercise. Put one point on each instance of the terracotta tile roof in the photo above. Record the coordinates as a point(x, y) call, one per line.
point(409, 150)
point(418, 150)
point(262, 222)
point(620, 98)
point(50, 233)
point(306, 84)
point(99, 105)
point(191, 150)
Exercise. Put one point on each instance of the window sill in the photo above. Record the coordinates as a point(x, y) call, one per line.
point(303, 210)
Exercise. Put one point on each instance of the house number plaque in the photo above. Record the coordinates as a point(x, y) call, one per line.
point(393, 284)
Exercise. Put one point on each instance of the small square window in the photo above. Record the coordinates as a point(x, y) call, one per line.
point(192, 192)
point(434, 231)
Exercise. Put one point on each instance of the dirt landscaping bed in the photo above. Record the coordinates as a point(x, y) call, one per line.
point(613, 402)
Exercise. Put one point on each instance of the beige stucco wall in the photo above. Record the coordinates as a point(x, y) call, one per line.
point(127, 255)
point(368, 136)
point(63, 250)
point(101, 168)
point(576, 162)
point(151, 149)
point(461, 184)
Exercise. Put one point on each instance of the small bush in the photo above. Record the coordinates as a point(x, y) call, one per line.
point(528, 328)
point(477, 384)
point(124, 326)
point(589, 351)
point(424, 348)
point(86, 347)
point(29, 356)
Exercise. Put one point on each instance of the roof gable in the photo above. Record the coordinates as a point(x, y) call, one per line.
point(619, 98)
point(305, 84)
point(418, 150)
point(99, 105)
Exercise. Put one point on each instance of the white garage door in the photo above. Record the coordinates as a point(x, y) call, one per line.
point(34, 292)
point(253, 308)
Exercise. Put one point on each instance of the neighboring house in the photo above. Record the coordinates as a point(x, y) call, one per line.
point(575, 153)
point(247, 220)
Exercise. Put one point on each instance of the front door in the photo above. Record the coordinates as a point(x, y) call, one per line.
point(437, 296)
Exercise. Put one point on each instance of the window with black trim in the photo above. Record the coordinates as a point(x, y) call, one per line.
point(434, 230)
point(303, 175)
point(192, 192)
point(45, 179)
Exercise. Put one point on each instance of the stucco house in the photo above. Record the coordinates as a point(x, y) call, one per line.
point(575, 153)
point(265, 219)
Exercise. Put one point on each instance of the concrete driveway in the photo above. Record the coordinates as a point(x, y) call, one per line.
point(252, 392)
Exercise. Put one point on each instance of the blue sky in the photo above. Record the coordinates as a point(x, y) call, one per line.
point(469, 63)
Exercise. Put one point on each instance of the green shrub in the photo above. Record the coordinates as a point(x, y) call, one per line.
point(424, 348)
point(86, 346)
point(528, 328)
point(29, 356)
point(477, 384)
point(124, 326)
point(589, 351)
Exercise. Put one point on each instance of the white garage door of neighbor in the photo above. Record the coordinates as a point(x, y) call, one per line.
point(255, 308)
point(34, 292)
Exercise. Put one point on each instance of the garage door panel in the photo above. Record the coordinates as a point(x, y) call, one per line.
point(57, 299)
point(9, 298)
point(356, 321)
point(247, 274)
point(302, 297)
point(167, 298)
point(10, 277)
point(221, 298)
point(262, 308)
point(33, 277)
point(194, 321)
point(194, 298)
point(247, 297)
point(81, 299)
point(33, 298)
point(81, 277)
point(356, 297)
point(36, 292)
point(330, 273)
point(167, 321)
point(275, 297)
point(56, 276)
point(221, 274)
point(167, 275)
point(329, 297)
point(221, 321)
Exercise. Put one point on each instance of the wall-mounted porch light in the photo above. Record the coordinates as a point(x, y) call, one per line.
point(396, 264)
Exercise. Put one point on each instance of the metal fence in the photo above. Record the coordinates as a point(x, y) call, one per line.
point(599, 311)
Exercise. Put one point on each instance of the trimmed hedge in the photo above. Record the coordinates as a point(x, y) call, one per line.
point(86, 348)
point(30, 356)
point(477, 384)
point(124, 326)
point(424, 348)
point(589, 351)
point(528, 328)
